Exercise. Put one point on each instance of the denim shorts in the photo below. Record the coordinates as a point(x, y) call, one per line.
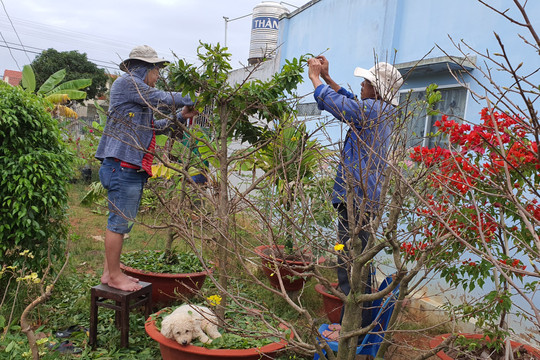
point(124, 187)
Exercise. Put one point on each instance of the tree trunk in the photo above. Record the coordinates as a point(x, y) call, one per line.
point(25, 324)
point(223, 211)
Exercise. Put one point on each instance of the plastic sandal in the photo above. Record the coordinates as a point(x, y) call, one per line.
point(65, 347)
point(70, 330)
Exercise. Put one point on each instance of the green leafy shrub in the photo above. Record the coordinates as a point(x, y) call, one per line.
point(34, 169)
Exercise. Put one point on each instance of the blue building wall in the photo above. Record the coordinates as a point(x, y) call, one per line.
point(352, 33)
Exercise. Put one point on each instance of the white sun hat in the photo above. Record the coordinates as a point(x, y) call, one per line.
point(143, 53)
point(385, 78)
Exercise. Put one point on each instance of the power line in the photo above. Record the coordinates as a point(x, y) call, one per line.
point(15, 30)
point(7, 46)
point(93, 41)
point(41, 50)
point(105, 63)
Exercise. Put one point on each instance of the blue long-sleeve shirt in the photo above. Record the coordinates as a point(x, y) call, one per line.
point(129, 129)
point(364, 151)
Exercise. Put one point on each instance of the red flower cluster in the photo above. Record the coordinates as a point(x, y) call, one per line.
point(469, 262)
point(534, 209)
point(411, 249)
point(515, 263)
point(459, 170)
point(465, 178)
point(518, 155)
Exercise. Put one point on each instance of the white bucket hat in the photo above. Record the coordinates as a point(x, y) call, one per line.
point(143, 53)
point(385, 78)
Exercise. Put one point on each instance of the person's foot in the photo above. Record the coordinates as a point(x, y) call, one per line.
point(105, 278)
point(332, 333)
point(124, 283)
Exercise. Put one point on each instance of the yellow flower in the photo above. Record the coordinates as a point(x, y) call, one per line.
point(214, 300)
point(33, 277)
point(42, 341)
point(294, 138)
point(339, 247)
point(131, 114)
point(27, 253)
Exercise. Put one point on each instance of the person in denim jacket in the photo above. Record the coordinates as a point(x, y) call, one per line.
point(363, 156)
point(126, 149)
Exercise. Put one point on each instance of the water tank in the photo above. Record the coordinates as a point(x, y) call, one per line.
point(264, 30)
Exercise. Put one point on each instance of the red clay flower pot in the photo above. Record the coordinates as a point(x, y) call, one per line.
point(332, 304)
point(441, 354)
point(171, 350)
point(166, 288)
point(290, 282)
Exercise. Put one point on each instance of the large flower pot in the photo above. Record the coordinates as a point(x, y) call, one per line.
point(171, 350)
point(332, 304)
point(167, 288)
point(290, 281)
point(442, 355)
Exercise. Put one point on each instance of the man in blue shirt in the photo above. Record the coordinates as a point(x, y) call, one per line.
point(126, 150)
point(360, 173)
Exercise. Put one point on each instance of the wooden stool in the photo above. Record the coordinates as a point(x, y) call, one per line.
point(124, 301)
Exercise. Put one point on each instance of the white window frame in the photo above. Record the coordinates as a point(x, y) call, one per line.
point(440, 87)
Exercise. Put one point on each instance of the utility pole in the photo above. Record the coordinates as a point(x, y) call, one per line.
point(228, 20)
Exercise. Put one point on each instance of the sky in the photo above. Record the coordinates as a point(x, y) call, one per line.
point(107, 30)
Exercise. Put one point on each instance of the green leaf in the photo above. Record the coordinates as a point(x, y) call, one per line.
point(28, 79)
point(71, 85)
point(52, 81)
point(161, 140)
point(102, 116)
point(10, 346)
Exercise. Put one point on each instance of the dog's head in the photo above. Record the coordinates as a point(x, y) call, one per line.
point(181, 329)
point(184, 334)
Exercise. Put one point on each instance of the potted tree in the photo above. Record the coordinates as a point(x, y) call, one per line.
point(293, 159)
point(229, 108)
point(472, 345)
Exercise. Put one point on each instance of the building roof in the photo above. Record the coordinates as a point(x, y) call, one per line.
point(12, 77)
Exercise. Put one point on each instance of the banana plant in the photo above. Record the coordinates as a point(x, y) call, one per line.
point(57, 93)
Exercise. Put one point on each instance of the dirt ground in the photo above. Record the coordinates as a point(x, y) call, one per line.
point(408, 346)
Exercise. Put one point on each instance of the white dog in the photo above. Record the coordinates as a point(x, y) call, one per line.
point(190, 322)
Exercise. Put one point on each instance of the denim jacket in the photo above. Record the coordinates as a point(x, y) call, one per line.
point(364, 152)
point(129, 130)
